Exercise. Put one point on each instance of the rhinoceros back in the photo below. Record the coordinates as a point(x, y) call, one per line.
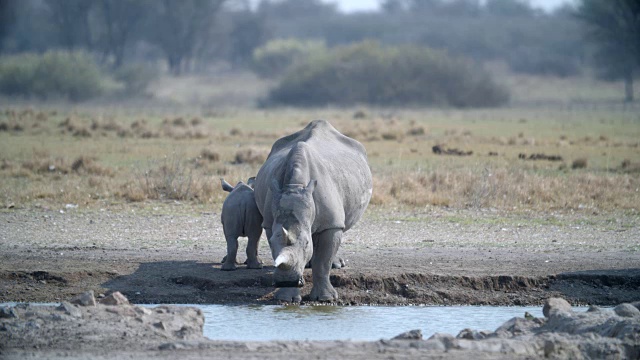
point(339, 165)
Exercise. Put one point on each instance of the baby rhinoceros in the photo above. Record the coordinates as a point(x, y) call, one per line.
point(241, 217)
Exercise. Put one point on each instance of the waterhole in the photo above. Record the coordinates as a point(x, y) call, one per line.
point(272, 322)
point(364, 323)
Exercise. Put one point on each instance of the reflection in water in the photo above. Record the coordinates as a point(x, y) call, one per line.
point(272, 322)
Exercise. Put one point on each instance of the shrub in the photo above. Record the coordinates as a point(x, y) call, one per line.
point(370, 73)
point(135, 78)
point(251, 156)
point(579, 163)
point(169, 179)
point(274, 58)
point(71, 75)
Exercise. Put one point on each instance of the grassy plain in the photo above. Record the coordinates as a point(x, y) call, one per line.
point(100, 156)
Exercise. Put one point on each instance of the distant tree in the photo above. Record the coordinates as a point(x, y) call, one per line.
point(290, 9)
point(248, 32)
point(509, 7)
point(71, 19)
point(7, 19)
point(121, 19)
point(179, 27)
point(614, 26)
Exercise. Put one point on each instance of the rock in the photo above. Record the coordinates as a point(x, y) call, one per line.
point(528, 316)
point(517, 326)
point(142, 310)
point(70, 309)
point(122, 310)
point(178, 345)
point(554, 305)
point(8, 312)
point(626, 310)
point(85, 299)
point(115, 298)
point(409, 335)
point(445, 339)
point(636, 304)
point(593, 308)
point(470, 334)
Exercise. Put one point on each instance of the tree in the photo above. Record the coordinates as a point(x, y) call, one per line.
point(248, 31)
point(121, 19)
point(614, 26)
point(71, 18)
point(7, 19)
point(179, 27)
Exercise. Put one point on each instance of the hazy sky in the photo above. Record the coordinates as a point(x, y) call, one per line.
point(356, 5)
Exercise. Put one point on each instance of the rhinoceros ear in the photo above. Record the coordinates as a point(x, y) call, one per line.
point(251, 181)
point(226, 186)
point(275, 187)
point(311, 186)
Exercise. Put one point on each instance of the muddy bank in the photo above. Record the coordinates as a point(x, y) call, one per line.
point(173, 278)
point(113, 329)
point(392, 258)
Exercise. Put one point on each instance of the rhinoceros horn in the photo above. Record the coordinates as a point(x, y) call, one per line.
point(284, 261)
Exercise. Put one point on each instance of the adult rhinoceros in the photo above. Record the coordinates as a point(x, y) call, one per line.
point(314, 186)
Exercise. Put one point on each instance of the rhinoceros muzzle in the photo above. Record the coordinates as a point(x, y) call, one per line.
point(283, 284)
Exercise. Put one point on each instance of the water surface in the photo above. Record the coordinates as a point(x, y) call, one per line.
point(365, 323)
point(272, 322)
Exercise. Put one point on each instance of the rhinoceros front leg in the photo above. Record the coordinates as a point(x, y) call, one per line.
point(327, 242)
point(336, 263)
point(290, 295)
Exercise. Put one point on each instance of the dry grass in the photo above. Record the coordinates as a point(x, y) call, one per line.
point(96, 157)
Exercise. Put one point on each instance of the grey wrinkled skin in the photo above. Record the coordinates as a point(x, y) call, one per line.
point(241, 217)
point(314, 186)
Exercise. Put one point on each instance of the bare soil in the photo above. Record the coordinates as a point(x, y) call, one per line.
point(171, 253)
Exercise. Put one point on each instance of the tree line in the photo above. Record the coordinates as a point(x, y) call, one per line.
point(190, 35)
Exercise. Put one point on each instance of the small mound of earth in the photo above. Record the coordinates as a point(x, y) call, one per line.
point(113, 328)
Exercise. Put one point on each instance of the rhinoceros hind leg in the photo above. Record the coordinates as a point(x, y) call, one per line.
point(327, 242)
point(229, 261)
point(290, 295)
point(338, 263)
point(253, 261)
point(224, 259)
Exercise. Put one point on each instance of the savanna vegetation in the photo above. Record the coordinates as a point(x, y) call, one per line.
point(460, 103)
point(512, 160)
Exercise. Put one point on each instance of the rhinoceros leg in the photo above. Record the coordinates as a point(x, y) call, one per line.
point(336, 263)
point(327, 242)
point(253, 261)
point(229, 261)
point(290, 295)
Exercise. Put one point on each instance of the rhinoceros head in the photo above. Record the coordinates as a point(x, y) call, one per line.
point(291, 244)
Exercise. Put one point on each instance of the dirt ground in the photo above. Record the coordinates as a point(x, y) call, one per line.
point(171, 254)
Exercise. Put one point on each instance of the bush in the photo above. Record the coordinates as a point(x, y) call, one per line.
point(368, 73)
point(71, 75)
point(274, 58)
point(135, 78)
